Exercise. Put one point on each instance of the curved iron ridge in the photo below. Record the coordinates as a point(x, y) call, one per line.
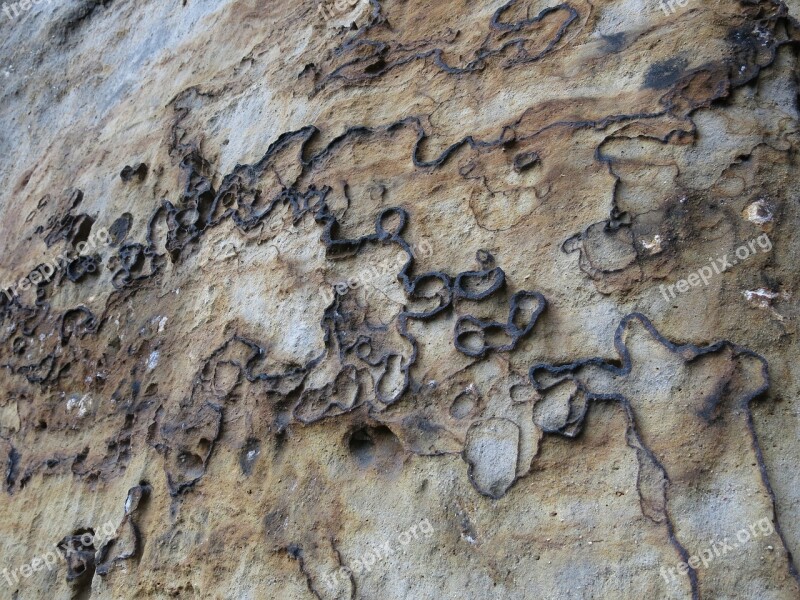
point(509, 328)
point(689, 352)
point(381, 49)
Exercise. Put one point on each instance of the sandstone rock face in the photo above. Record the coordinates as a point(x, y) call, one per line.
point(399, 299)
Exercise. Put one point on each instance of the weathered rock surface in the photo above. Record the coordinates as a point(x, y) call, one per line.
point(399, 299)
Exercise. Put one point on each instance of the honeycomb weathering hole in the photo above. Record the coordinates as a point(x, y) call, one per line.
point(376, 447)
